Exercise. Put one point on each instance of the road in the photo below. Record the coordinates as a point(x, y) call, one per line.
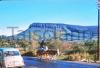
point(36, 63)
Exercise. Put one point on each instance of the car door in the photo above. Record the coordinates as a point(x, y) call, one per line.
point(1, 58)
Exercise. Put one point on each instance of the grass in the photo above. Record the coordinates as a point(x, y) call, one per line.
point(61, 57)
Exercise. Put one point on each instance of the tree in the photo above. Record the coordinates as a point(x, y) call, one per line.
point(91, 46)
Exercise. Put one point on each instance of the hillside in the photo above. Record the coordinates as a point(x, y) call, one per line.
point(46, 31)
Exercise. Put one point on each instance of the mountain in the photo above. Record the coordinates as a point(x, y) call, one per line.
point(39, 31)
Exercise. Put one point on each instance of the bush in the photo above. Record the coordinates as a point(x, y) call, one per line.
point(69, 58)
point(30, 53)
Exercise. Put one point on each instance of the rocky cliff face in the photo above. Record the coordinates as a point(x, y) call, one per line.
point(40, 31)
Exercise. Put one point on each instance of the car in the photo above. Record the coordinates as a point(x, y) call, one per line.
point(10, 58)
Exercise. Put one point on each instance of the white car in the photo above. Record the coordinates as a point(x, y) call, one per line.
point(10, 57)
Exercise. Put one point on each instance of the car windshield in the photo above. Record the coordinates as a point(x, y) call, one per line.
point(11, 53)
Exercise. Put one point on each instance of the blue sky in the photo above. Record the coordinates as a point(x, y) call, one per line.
point(23, 13)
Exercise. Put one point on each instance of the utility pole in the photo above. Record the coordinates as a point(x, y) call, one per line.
point(12, 29)
point(30, 37)
point(98, 50)
point(55, 30)
point(24, 35)
point(71, 36)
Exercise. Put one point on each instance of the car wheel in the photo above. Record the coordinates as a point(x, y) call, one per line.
point(20, 67)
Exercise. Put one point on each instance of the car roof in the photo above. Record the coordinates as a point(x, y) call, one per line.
point(8, 49)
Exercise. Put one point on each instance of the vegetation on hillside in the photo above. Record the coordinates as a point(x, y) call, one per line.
point(69, 50)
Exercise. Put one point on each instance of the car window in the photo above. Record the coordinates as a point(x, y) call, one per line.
point(11, 53)
point(0, 53)
point(16, 53)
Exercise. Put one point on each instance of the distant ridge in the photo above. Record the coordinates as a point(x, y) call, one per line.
point(70, 27)
point(41, 28)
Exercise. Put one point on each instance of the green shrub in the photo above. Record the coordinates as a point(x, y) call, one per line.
point(69, 58)
point(30, 53)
